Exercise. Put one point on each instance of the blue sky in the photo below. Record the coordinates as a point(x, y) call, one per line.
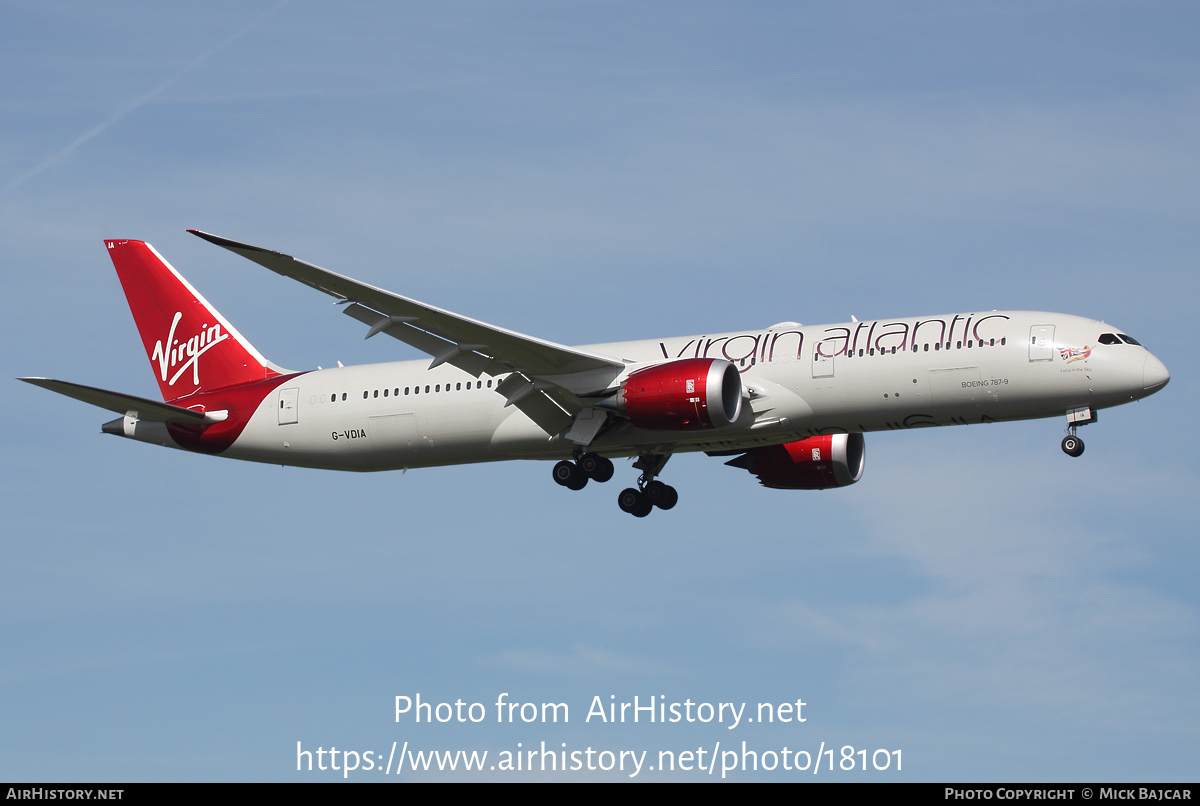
point(590, 172)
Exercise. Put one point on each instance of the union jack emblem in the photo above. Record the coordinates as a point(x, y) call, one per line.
point(1070, 354)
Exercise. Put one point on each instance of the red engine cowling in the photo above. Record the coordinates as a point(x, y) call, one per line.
point(816, 463)
point(684, 395)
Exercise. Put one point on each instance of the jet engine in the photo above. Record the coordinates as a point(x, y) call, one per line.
point(685, 395)
point(816, 463)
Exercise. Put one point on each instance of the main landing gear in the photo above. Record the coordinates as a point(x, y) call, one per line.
point(637, 501)
point(575, 475)
point(650, 492)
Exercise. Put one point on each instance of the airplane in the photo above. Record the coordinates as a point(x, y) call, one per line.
point(789, 403)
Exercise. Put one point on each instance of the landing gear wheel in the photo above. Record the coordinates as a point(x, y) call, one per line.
point(569, 475)
point(662, 495)
point(596, 467)
point(1072, 445)
point(635, 502)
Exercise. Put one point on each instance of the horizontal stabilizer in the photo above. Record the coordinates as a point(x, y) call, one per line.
point(137, 407)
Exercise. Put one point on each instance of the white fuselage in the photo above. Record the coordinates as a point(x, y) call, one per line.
point(798, 381)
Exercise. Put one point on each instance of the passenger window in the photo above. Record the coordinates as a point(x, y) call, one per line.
point(343, 395)
point(376, 393)
point(958, 345)
point(426, 388)
point(385, 392)
point(437, 388)
point(416, 390)
point(992, 343)
point(489, 384)
point(1003, 342)
point(396, 392)
point(871, 351)
point(970, 344)
point(406, 390)
point(893, 351)
point(458, 387)
point(333, 398)
point(1130, 340)
point(468, 386)
point(364, 395)
point(926, 348)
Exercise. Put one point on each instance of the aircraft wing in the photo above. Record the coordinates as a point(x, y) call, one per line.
point(139, 407)
point(473, 346)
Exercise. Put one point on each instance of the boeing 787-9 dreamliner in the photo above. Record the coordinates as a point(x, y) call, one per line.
point(789, 403)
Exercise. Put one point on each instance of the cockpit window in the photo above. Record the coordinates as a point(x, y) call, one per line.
point(1109, 338)
point(1129, 340)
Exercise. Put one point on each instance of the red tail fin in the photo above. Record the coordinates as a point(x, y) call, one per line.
point(190, 346)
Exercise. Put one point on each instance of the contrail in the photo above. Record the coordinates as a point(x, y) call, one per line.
point(59, 156)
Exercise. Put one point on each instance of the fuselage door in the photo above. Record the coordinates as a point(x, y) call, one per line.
point(1041, 343)
point(822, 364)
point(288, 412)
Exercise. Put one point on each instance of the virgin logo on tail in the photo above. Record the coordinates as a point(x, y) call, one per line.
point(185, 354)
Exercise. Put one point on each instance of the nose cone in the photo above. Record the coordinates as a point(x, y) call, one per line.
point(1154, 374)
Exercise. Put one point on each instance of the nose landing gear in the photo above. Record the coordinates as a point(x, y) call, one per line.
point(1072, 445)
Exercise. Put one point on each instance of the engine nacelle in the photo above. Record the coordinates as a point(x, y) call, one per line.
point(816, 463)
point(685, 395)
